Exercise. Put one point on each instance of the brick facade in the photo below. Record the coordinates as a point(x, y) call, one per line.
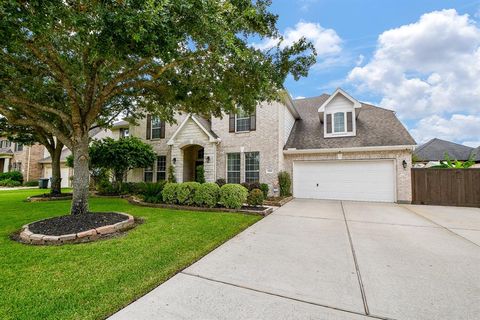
point(273, 122)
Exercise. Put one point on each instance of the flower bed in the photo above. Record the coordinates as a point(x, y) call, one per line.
point(277, 201)
point(75, 228)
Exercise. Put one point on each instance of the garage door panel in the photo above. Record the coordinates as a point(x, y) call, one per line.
point(345, 180)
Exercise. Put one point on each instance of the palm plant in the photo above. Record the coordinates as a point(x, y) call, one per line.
point(455, 164)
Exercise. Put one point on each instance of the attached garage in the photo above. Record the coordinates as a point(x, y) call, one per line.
point(65, 174)
point(360, 180)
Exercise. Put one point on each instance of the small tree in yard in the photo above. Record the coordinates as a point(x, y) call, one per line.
point(29, 135)
point(285, 183)
point(70, 66)
point(120, 156)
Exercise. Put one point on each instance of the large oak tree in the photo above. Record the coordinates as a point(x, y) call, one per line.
point(85, 62)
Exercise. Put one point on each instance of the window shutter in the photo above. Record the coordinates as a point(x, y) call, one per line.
point(162, 129)
point(349, 122)
point(149, 127)
point(253, 122)
point(231, 123)
point(329, 123)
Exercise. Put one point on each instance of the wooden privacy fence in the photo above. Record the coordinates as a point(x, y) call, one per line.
point(447, 187)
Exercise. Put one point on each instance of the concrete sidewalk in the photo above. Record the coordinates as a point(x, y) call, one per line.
point(332, 260)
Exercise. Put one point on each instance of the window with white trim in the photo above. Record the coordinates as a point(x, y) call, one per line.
point(161, 168)
point(148, 174)
point(156, 128)
point(339, 122)
point(242, 120)
point(233, 167)
point(18, 147)
point(252, 167)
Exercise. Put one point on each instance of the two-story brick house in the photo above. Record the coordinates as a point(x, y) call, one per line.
point(19, 157)
point(333, 146)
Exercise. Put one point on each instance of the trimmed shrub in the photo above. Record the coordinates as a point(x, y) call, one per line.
point(264, 188)
point(10, 183)
point(169, 192)
point(255, 197)
point(207, 195)
point(233, 196)
point(153, 192)
point(107, 188)
point(135, 187)
point(221, 182)
point(186, 192)
point(284, 183)
point(200, 174)
point(31, 183)
point(12, 175)
point(171, 174)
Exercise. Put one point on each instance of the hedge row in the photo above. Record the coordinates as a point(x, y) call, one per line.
point(203, 195)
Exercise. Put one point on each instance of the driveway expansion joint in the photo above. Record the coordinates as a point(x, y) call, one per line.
point(357, 269)
point(441, 226)
point(285, 297)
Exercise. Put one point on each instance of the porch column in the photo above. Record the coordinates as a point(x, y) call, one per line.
point(6, 164)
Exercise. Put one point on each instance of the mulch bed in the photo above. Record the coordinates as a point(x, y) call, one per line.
point(50, 197)
point(277, 201)
point(75, 223)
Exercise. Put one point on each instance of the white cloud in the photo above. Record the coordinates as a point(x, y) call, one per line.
point(326, 41)
point(462, 128)
point(298, 97)
point(428, 70)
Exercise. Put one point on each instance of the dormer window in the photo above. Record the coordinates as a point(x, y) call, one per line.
point(339, 124)
point(338, 115)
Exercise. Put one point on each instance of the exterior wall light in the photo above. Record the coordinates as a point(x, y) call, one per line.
point(174, 160)
point(208, 159)
point(404, 164)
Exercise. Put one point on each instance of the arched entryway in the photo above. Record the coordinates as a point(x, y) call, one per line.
point(192, 158)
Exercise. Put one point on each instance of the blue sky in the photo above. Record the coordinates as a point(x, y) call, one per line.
point(419, 58)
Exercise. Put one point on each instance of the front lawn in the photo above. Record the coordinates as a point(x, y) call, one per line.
point(93, 280)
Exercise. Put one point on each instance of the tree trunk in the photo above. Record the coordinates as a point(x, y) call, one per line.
point(56, 183)
point(81, 175)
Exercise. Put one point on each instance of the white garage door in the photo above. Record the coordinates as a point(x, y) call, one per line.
point(345, 180)
point(64, 174)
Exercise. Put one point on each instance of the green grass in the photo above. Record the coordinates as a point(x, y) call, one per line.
point(93, 280)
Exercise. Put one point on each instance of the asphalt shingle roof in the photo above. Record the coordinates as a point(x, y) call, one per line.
point(375, 127)
point(434, 150)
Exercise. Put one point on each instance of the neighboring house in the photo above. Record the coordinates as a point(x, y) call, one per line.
point(431, 153)
point(19, 157)
point(333, 146)
point(118, 130)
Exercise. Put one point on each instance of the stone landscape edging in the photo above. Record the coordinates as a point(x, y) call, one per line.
point(29, 237)
point(136, 201)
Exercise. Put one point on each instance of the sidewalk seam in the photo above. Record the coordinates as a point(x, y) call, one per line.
point(284, 297)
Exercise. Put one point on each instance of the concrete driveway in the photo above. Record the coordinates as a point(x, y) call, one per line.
point(315, 259)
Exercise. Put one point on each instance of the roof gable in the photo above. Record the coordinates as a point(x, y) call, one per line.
point(342, 94)
point(202, 125)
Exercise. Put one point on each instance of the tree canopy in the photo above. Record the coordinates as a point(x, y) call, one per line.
point(121, 155)
point(68, 66)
